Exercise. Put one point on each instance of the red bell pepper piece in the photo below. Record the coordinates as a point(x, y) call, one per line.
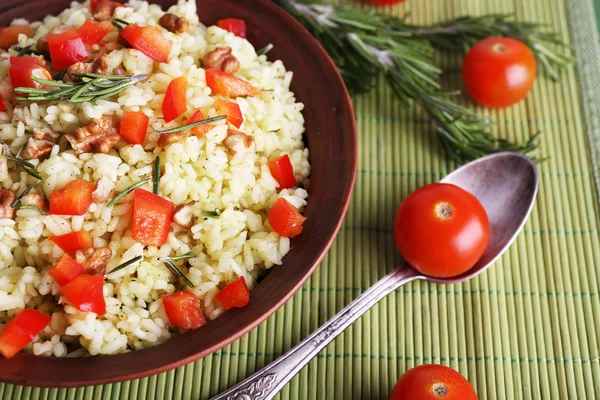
point(285, 219)
point(66, 270)
point(183, 310)
point(236, 294)
point(149, 40)
point(174, 103)
point(283, 171)
point(66, 49)
point(2, 104)
point(233, 25)
point(92, 32)
point(74, 199)
point(73, 241)
point(23, 68)
point(85, 293)
point(152, 216)
point(134, 126)
point(232, 110)
point(220, 82)
point(21, 330)
point(9, 36)
point(201, 130)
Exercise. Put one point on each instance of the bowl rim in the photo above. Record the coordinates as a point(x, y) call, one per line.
point(352, 164)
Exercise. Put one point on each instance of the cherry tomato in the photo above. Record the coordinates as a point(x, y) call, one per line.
point(433, 382)
point(92, 32)
point(66, 270)
point(235, 26)
point(152, 216)
point(183, 310)
point(225, 84)
point(9, 36)
point(134, 126)
point(86, 294)
point(149, 40)
point(441, 230)
point(74, 199)
point(285, 219)
point(499, 72)
point(201, 130)
point(66, 49)
point(236, 294)
point(283, 171)
point(174, 103)
point(73, 241)
point(21, 330)
point(232, 110)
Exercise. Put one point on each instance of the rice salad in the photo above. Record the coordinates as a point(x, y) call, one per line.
point(219, 179)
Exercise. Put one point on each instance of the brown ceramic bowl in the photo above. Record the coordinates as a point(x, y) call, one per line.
point(332, 141)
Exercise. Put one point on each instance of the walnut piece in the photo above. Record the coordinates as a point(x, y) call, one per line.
point(239, 143)
point(104, 10)
point(173, 23)
point(221, 58)
point(42, 44)
point(166, 139)
point(104, 187)
point(34, 200)
point(183, 214)
point(93, 260)
point(37, 148)
point(7, 197)
point(98, 66)
point(45, 134)
point(99, 136)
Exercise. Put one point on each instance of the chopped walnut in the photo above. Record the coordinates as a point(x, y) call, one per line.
point(100, 136)
point(45, 134)
point(98, 66)
point(42, 44)
point(35, 200)
point(104, 10)
point(183, 214)
point(7, 197)
point(37, 148)
point(104, 187)
point(239, 143)
point(221, 58)
point(173, 23)
point(93, 260)
point(166, 139)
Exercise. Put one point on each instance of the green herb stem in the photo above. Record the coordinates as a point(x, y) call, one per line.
point(34, 208)
point(215, 213)
point(156, 175)
point(125, 264)
point(177, 258)
point(28, 189)
point(193, 124)
point(177, 272)
point(127, 191)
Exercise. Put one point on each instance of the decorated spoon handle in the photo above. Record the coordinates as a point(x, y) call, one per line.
point(267, 382)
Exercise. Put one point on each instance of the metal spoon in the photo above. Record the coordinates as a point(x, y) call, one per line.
point(506, 185)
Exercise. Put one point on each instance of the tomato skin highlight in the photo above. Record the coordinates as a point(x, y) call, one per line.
point(283, 171)
point(73, 241)
point(66, 49)
point(134, 127)
point(499, 72)
point(149, 40)
point(85, 293)
point(21, 330)
point(183, 310)
point(92, 32)
point(9, 36)
point(232, 110)
point(422, 382)
point(440, 246)
point(66, 270)
point(236, 294)
point(152, 216)
point(21, 70)
point(174, 103)
point(228, 85)
point(285, 219)
point(74, 199)
point(233, 25)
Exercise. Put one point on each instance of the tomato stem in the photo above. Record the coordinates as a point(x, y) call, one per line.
point(444, 210)
point(440, 390)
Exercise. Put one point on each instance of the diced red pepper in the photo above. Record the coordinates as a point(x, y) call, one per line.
point(66, 270)
point(220, 82)
point(73, 241)
point(232, 110)
point(2, 104)
point(201, 130)
point(85, 293)
point(134, 126)
point(152, 216)
point(285, 219)
point(92, 32)
point(149, 40)
point(174, 103)
point(74, 199)
point(283, 171)
point(21, 330)
point(236, 294)
point(183, 310)
point(66, 49)
point(233, 25)
point(23, 68)
point(9, 36)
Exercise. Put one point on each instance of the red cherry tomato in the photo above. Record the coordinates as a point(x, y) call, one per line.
point(236, 294)
point(232, 110)
point(149, 40)
point(174, 103)
point(152, 216)
point(285, 219)
point(23, 68)
point(235, 26)
point(66, 49)
point(225, 84)
point(73, 241)
point(85, 293)
point(283, 171)
point(499, 72)
point(74, 199)
point(201, 130)
point(92, 32)
point(9, 36)
point(433, 382)
point(441, 230)
point(66, 270)
point(183, 310)
point(21, 330)
point(134, 126)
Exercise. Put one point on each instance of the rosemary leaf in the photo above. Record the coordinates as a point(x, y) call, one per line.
point(33, 173)
point(156, 175)
point(34, 208)
point(127, 191)
point(215, 213)
point(125, 264)
point(193, 124)
point(59, 75)
point(264, 50)
point(177, 272)
point(28, 189)
point(45, 196)
point(28, 51)
point(20, 162)
point(178, 258)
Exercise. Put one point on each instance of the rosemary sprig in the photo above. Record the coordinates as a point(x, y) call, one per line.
point(28, 167)
point(264, 50)
point(193, 124)
point(120, 24)
point(177, 258)
point(29, 51)
point(127, 191)
point(156, 175)
point(45, 196)
point(215, 213)
point(34, 208)
point(177, 272)
point(125, 264)
point(28, 189)
point(92, 87)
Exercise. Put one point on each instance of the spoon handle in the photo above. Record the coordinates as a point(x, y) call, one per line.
point(266, 383)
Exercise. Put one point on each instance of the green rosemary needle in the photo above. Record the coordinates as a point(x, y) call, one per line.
point(193, 124)
point(177, 272)
point(33, 208)
point(45, 196)
point(125, 264)
point(177, 258)
point(28, 189)
point(127, 191)
point(28, 167)
point(215, 213)
point(264, 50)
point(156, 175)
point(29, 51)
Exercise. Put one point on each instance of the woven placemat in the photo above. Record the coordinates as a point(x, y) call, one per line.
point(525, 329)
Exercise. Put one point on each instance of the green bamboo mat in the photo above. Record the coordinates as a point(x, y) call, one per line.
point(526, 329)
